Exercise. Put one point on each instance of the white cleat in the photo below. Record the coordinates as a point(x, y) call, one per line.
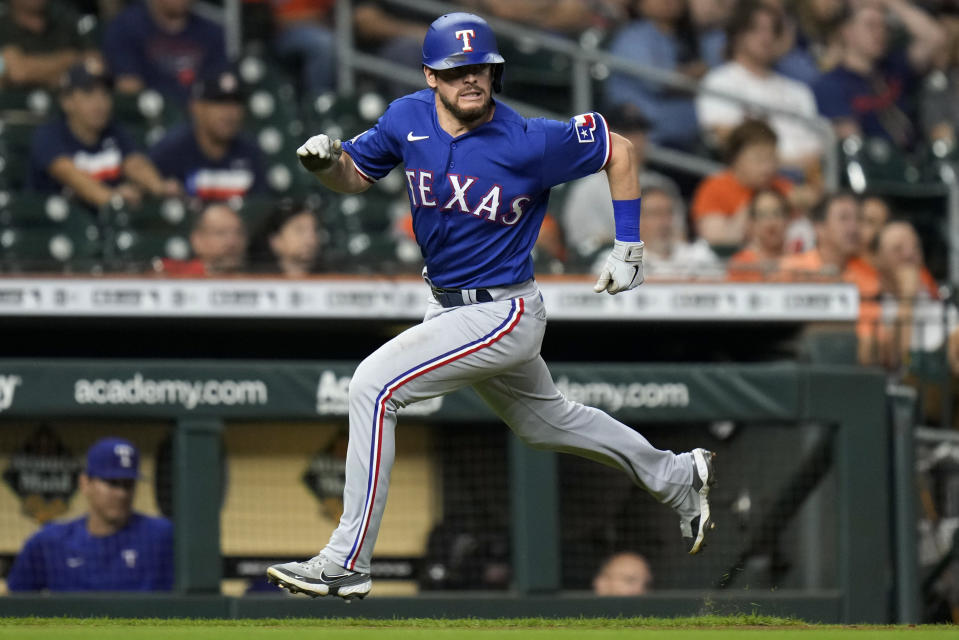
point(694, 530)
point(320, 577)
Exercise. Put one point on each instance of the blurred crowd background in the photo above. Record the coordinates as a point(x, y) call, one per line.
point(779, 140)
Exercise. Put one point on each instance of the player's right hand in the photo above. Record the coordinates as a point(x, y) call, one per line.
point(319, 153)
point(623, 269)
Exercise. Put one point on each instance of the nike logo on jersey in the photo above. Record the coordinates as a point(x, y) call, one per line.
point(412, 138)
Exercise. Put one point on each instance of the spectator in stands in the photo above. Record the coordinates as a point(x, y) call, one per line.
point(836, 257)
point(768, 215)
point(289, 241)
point(875, 215)
point(720, 204)
point(710, 18)
point(38, 43)
point(752, 33)
point(587, 214)
point(838, 241)
point(208, 155)
point(112, 547)
point(393, 33)
point(662, 226)
point(869, 93)
point(304, 33)
point(163, 45)
point(817, 38)
point(661, 38)
point(218, 241)
point(87, 154)
point(904, 282)
point(623, 574)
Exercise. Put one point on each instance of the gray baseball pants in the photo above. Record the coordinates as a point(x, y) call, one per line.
point(493, 347)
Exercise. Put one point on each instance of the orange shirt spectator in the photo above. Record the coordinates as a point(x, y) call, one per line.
point(723, 193)
point(836, 257)
point(719, 204)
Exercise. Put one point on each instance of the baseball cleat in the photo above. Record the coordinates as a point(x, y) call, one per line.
point(320, 577)
point(695, 529)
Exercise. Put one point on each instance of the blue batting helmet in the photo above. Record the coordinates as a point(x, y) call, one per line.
point(460, 39)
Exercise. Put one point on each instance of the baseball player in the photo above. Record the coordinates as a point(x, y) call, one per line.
point(479, 177)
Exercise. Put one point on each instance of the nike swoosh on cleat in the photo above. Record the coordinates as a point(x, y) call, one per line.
point(412, 138)
point(327, 578)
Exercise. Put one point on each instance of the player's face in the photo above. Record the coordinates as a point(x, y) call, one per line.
point(110, 501)
point(466, 92)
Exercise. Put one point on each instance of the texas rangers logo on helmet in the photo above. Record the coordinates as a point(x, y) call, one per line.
point(465, 35)
point(585, 125)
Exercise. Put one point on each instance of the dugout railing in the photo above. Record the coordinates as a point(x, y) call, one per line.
point(874, 562)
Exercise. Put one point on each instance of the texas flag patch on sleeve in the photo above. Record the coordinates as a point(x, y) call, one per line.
point(585, 127)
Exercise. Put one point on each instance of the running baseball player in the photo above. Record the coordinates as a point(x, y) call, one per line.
point(479, 177)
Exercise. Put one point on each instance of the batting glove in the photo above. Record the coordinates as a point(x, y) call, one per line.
point(319, 153)
point(623, 269)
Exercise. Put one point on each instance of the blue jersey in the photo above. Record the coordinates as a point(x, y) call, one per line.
point(102, 160)
point(478, 200)
point(65, 557)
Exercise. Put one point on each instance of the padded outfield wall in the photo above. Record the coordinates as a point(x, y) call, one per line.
point(846, 407)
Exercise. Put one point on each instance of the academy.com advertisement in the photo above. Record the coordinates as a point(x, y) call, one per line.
point(278, 390)
point(185, 393)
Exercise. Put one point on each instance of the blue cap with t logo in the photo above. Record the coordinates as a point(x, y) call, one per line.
point(113, 459)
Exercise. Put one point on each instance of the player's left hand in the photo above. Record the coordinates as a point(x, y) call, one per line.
point(623, 269)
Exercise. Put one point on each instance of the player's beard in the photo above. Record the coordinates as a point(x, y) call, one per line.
point(467, 116)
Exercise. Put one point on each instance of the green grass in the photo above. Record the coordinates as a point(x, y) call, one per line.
point(704, 628)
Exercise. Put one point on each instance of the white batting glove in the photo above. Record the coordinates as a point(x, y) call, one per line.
point(623, 269)
point(319, 153)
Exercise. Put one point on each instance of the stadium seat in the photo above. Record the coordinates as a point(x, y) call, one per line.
point(166, 214)
point(37, 210)
point(144, 108)
point(49, 249)
point(23, 104)
point(15, 138)
point(344, 116)
point(47, 233)
point(134, 250)
point(878, 166)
